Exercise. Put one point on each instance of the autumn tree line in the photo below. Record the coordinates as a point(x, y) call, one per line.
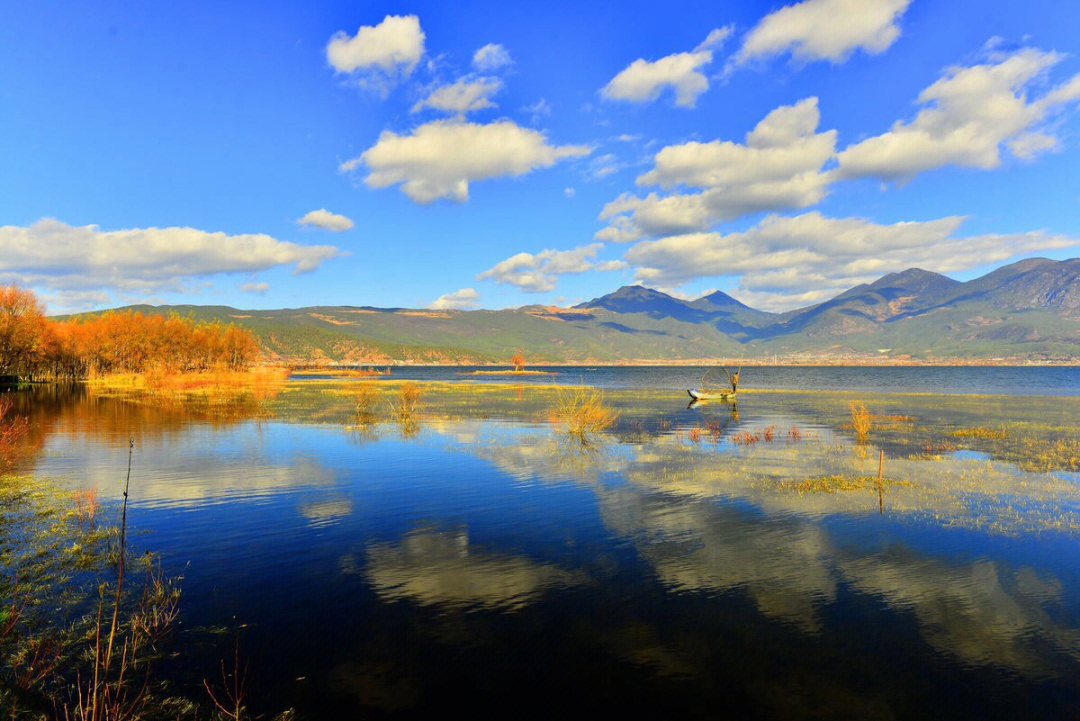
point(34, 347)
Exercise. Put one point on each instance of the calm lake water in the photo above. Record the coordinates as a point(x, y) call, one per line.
point(1011, 380)
point(477, 560)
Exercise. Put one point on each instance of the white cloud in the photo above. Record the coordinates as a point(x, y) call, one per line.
point(464, 96)
point(458, 300)
point(604, 165)
point(538, 110)
point(380, 55)
point(52, 254)
point(824, 30)
point(783, 262)
point(439, 159)
point(779, 167)
point(969, 113)
point(491, 57)
point(256, 288)
point(323, 218)
point(644, 80)
point(540, 272)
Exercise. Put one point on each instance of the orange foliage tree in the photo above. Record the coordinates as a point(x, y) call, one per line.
point(518, 361)
point(34, 346)
point(22, 331)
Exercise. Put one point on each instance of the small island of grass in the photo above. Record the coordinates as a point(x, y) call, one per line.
point(518, 363)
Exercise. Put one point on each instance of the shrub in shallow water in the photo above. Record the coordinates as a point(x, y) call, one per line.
point(408, 400)
point(860, 420)
point(581, 413)
point(367, 395)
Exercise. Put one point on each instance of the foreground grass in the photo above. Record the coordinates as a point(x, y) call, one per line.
point(85, 619)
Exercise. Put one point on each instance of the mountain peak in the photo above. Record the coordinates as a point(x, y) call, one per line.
point(719, 300)
point(639, 299)
point(916, 280)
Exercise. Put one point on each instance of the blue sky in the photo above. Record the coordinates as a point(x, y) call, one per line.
point(170, 153)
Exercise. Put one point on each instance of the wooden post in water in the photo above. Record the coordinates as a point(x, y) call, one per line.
point(880, 496)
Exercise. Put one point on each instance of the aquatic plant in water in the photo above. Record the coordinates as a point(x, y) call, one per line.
point(581, 414)
point(860, 421)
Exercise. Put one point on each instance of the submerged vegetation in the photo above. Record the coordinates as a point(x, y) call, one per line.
point(12, 431)
point(789, 452)
point(838, 483)
point(81, 637)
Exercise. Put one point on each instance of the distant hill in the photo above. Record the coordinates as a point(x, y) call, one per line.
point(1028, 310)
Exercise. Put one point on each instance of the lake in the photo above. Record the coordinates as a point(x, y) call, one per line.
point(705, 561)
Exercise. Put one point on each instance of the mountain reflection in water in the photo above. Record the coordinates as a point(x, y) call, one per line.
point(485, 562)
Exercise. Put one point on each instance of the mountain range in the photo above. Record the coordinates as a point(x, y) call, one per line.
point(1026, 311)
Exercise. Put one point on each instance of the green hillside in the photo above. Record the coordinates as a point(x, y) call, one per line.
point(1027, 311)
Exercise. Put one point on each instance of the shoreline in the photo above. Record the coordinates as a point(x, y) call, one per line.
point(695, 363)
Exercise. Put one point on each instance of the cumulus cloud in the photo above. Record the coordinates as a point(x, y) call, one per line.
point(540, 272)
point(379, 56)
point(52, 254)
point(644, 80)
point(464, 96)
point(256, 288)
point(780, 166)
point(970, 112)
point(323, 218)
point(491, 57)
point(824, 30)
point(439, 159)
point(783, 262)
point(458, 300)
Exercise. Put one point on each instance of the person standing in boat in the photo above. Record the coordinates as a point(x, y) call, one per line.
point(735, 381)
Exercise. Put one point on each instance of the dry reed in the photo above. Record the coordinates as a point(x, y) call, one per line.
point(860, 421)
point(581, 414)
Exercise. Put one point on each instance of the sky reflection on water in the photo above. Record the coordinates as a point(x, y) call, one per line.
point(483, 562)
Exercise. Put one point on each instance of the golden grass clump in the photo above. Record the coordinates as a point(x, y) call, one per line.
point(860, 420)
point(979, 432)
point(580, 413)
point(838, 483)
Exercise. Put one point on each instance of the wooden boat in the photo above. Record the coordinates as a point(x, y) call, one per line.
point(711, 394)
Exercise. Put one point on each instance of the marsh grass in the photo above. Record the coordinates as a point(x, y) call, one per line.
point(1044, 454)
point(580, 413)
point(995, 434)
point(861, 421)
point(220, 393)
point(837, 483)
